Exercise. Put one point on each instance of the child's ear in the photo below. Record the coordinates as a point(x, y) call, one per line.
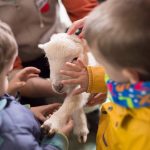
point(131, 74)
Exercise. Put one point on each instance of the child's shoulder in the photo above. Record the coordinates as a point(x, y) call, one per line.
point(5, 100)
point(3, 103)
point(14, 116)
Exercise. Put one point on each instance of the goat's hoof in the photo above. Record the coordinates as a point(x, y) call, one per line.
point(82, 138)
point(45, 128)
point(52, 131)
point(48, 129)
point(82, 133)
point(53, 124)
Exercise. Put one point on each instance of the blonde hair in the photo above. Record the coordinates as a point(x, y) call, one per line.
point(8, 45)
point(120, 31)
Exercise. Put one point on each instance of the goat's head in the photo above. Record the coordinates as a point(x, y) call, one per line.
point(60, 49)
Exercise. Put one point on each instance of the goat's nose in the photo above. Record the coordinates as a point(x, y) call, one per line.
point(58, 87)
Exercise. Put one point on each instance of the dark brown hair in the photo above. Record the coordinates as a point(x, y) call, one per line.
point(120, 31)
point(8, 45)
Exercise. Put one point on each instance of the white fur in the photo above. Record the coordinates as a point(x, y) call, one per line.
point(60, 49)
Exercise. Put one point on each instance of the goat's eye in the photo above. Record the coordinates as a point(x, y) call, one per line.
point(74, 59)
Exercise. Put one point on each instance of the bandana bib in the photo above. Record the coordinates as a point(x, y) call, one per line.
point(129, 95)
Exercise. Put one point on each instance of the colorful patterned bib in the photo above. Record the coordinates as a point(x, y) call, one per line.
point(129, 95)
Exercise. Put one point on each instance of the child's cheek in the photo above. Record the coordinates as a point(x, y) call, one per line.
point(3, 85)
point(6, 84)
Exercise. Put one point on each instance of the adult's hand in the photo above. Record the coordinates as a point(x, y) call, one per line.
point(77, 25)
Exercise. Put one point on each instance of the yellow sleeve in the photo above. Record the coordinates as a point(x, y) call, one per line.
point(96, 80)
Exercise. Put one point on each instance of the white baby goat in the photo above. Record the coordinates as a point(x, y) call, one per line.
point(60, 49)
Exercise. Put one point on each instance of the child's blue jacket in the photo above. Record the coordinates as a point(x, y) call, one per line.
point(19, 130)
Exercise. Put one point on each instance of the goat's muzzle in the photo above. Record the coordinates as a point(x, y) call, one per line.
point(58, 88)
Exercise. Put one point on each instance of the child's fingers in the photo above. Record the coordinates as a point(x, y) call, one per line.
point(32, 76)
point(97, 99)
point(102, 95)
point(29, 70)
point(81, 35)
point(41, 117)
point(51, 108)
point(71, 81)
point(70, 73)
point(95, 102)
point(78, 91)
point(72, 29)
point(29, 76)
point(76, 25)
point(69, 124)
point(74, 67)
point(67, 128)
point(19, 85)
point(81, 63)
point(92, 95)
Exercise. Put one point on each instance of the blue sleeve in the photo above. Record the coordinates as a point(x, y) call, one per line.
point(59, 140)
point(28, 142)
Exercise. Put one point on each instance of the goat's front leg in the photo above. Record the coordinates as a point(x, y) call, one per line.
point(80, 125)
point(60, 117)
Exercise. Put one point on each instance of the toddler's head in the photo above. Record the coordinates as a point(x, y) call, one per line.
point(8, 53)
point(118, 31)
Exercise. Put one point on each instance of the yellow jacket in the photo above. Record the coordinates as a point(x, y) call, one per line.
point(119, 128)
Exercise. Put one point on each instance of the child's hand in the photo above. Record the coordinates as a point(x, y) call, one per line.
point(96, 99)
point(79, 75)
point(67, 128)
point(41, 112)
point(20, 78)
point(77, 25)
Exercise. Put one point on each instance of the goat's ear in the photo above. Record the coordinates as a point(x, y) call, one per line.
point(80, 41)
point(53, 36)
point(42, 46)
point(75, 38)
